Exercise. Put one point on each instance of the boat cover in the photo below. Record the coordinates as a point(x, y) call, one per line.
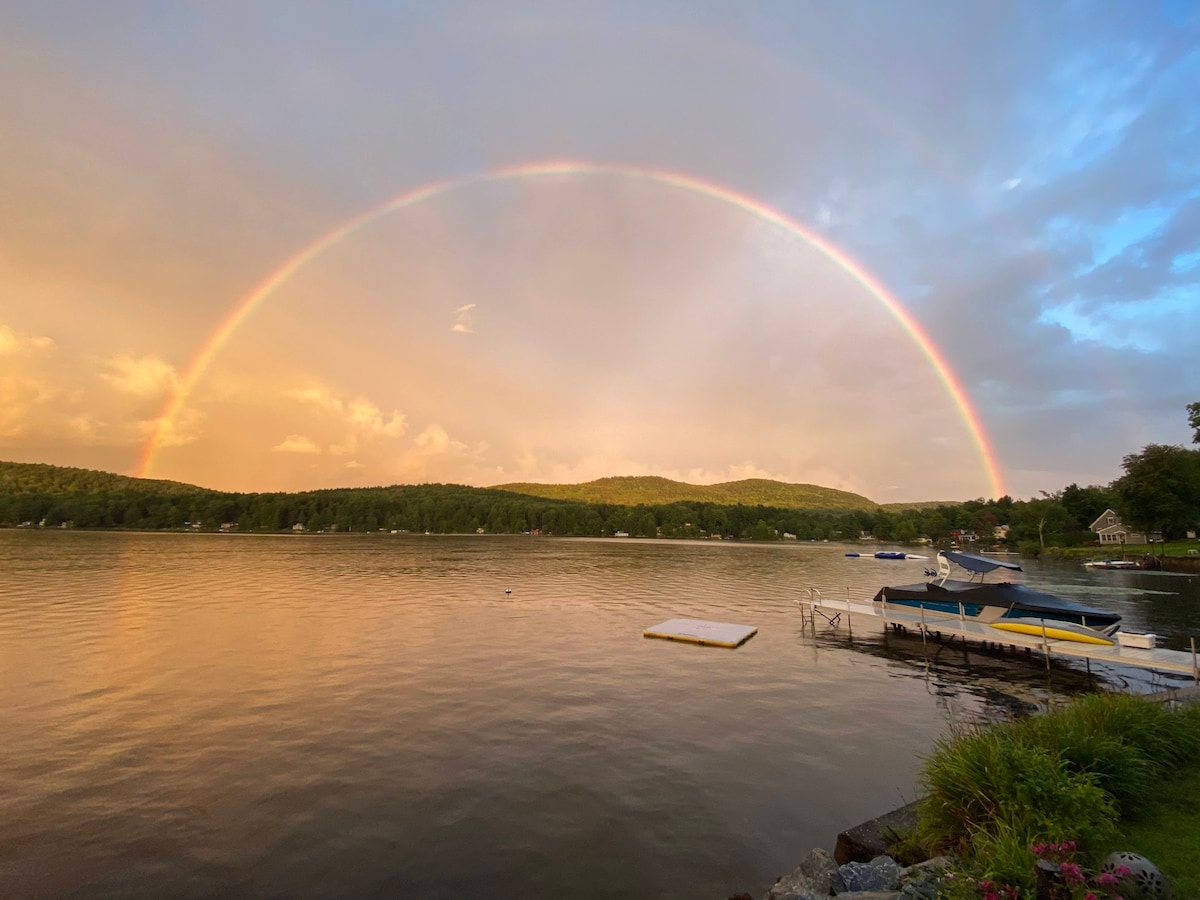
point(1017, 598)
point(978, 564)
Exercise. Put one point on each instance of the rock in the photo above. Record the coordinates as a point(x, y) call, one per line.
point(923, 870)
point(873, 838)
point(872, 895)
point(919, 881)
point(811, 880)
point(880, 874)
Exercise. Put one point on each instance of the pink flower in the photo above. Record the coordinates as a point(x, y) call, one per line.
point(1090, 896)
point(1107, 879)
point(1123, 870)
point(1038, 849)
point(1071, 873)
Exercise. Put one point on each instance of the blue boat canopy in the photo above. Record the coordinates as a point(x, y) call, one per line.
point(978, 564)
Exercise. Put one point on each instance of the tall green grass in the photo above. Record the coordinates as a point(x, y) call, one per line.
point(1068, 775)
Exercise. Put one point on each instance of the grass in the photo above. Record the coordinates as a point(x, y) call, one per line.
point(1167, 831)
point(1132, 551)
point(1069, 775)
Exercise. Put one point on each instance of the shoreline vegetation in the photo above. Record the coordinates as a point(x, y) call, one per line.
point(1104, 773)
point(36, 495)
point(1011, 809)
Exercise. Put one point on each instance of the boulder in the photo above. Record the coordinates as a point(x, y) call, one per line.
point(873, 838)
point(880, 874)
point(811, 880)
point(919, 881)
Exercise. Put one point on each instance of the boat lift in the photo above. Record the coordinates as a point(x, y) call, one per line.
point(831, 610)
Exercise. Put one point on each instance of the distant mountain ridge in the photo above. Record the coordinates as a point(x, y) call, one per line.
point(619, 490)
point(43, 478)
point(650, 490)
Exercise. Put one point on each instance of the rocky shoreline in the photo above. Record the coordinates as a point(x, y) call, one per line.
point(860, 866)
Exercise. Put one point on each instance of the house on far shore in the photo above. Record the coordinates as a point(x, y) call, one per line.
point(1110, 530)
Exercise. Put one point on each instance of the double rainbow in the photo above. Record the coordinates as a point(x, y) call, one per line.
point(937, 360)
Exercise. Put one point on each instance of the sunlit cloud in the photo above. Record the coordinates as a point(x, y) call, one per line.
point(179, 431)
point(296, 443)
point(13, 343)
point(359, 413)
point(22, 397)
point(434, 441)
point(464, 319)
point(147, 376)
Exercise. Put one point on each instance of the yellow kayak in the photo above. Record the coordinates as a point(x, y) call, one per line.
point(1055, 631)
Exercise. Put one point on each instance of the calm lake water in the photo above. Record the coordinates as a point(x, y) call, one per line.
point(340, 716)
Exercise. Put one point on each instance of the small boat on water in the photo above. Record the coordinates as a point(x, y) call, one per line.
point(888, 554)
point(1003, 605)
point(1111, 564)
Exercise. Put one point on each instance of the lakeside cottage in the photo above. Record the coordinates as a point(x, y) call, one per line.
point(1110, 530)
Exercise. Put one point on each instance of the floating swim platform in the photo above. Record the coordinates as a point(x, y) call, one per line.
point(698, 631)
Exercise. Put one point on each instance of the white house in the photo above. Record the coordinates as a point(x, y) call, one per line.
point(1110, 530)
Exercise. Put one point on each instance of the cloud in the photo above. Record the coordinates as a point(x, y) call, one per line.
point(366, 416)
point(296, 443)
point(464, 319)
point(182, 429)
point(363, 416)
point(434, 441)
point(13, 343)
point(147, 376)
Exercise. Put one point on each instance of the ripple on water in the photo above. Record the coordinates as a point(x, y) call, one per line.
point(247, 716)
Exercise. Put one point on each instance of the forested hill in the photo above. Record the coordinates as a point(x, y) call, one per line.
point(652, 490)
point(52, 496)
point(39, 478)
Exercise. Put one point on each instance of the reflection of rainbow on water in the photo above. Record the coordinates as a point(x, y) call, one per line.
point(912, 328)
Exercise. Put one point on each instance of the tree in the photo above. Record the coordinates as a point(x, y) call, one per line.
point(1086, 504)
point(762, 531)
point(1194, 421)
point(1044, 515)
point(1160, 490)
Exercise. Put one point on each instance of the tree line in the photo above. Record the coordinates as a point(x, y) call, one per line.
point(1159, 492)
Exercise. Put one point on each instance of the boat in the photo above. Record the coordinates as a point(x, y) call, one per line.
point(1004, 605)
point(1111, 564)
point(889, 554)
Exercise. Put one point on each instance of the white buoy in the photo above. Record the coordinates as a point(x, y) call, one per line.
point(508, 590)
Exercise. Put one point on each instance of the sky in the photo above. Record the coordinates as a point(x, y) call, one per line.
point(914, 250)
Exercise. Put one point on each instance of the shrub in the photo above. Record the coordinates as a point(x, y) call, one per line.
point(993, 792)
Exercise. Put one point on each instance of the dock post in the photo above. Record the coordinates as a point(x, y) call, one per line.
point(1045, 644)
point(962, 618)
point(922, 625)
point(885, 618)
point(1195, 670)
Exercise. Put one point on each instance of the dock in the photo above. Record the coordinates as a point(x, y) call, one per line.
point(816, 607)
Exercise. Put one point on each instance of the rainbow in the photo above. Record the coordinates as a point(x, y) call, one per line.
point(241, 311)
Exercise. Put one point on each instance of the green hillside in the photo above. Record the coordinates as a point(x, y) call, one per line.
point(40, 478)
point(652, 490)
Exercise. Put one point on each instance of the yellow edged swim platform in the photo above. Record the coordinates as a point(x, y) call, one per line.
point(698, 631)
point(1056, 632)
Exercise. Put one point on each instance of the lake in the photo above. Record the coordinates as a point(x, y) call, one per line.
point(374, 716)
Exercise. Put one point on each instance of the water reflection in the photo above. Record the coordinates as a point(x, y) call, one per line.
point(314, 716)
